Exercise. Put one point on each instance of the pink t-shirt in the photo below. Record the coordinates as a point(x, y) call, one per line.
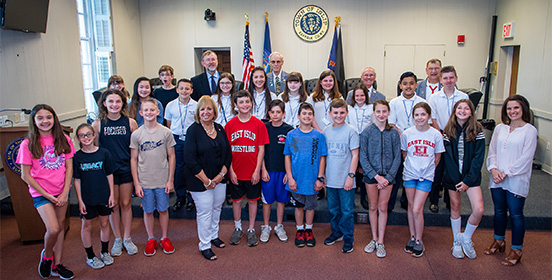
point(49, 169)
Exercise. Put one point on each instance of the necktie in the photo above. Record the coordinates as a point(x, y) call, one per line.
point(213, 85)
point(278, 85)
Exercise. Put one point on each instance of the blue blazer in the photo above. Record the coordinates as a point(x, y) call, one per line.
point(272, 87)
point(421, 89)
point(201, 86)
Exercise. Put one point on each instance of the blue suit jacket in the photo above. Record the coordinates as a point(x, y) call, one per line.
point(201, 86)
point(421, 89)
point(272, 87)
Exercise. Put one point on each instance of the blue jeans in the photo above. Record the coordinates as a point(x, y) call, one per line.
point(179, 181)
point(506, 201)
point(341, 204)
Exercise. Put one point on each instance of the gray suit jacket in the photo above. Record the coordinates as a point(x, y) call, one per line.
point(272, 87)
point(421, 89)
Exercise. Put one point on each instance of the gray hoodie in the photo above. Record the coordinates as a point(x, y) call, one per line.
point(380, 153)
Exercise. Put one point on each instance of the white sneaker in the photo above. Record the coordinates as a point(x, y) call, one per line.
point(107, 258)
point(130, 247)
point(265, 233)
point(380, 250)
point(117, 249)
point(467, 246)
point(370, 247)
point(281, 233)
point(457, 247)
point(95, 263)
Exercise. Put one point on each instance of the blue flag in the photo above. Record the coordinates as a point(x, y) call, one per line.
point(333, 51)
point(267, 48)
point(335, 62)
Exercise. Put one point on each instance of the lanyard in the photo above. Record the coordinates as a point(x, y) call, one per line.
point(359, 128)
point(183, 120)
point(223, 111)
point(294, 112)
point(408, 116)
point(260, 104)
point(449, 107)
point(326, 107)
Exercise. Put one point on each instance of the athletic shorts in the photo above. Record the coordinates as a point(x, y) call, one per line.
point(93, 211)
point(155, 199)
point(122, 178)
point(274, 189)
point(309, 202)
point(245, 188)
point(40, 200)
point(423, 185)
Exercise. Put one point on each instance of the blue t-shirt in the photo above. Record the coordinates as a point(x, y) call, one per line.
point(305, 149)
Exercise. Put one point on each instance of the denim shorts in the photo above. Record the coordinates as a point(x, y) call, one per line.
point(40, 200)
point(423, 185)
point(155, 199)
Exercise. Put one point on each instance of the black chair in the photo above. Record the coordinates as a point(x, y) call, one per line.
point(474, 95)
point(349, 85)
point(310, 85)
point(238, 85)
point(98, 93)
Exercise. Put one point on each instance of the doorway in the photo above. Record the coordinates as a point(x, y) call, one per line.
point(223, 55)
point(508, 65)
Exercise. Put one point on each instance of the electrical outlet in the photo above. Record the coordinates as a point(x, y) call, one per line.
point(22, 116)
point(3, 120)
point(548, 146)
point(16, 118)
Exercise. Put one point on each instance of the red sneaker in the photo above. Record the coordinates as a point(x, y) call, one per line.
point(167, 246)
point(309, 238)
point(300, 238)
point(150, 247)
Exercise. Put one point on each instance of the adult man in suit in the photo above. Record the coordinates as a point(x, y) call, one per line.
point(432, 83)
point(368, 77)
point(276, 77)
point(206, 82)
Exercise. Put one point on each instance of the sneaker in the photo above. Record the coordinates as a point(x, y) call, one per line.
point(150, 247)
point(309, 238)
point(467, 246)
point(330, 240)
point(370, 247)
point(130, 247)
point(117, 249)
point(252, 238)
point(380, 250)
point(44, 266)
point(265, 233)
point(300, 238)
point(410, 245)
point(95, 263)
point(347, 247)
point(167, 246)
point(236, 236)
point(281, 233)
point(457, 247)
point(62, 272)
point(418, 249)
point(107, 258)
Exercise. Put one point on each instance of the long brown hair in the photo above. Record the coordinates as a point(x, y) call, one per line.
point(525, 109)
point(268, 94)
point(294, 77)
point(60, 142)
point(318, 94)
point(218, 91)
point(386, 104)
point(103, 110)
point(135, 100)
point(472, 127)
point(364, 89)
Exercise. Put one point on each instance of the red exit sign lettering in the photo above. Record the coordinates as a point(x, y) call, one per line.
point(508, 30)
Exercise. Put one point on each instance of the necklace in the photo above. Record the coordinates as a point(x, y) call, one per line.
point(209, 132)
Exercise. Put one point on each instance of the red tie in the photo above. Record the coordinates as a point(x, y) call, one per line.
point(432, 89)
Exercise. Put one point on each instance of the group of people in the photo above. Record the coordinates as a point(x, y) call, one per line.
point(277, 144)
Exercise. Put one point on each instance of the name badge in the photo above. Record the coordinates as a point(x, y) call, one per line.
point(182, 137)
point(327, 121)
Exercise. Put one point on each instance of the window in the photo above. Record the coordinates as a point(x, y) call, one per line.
point(96, 47)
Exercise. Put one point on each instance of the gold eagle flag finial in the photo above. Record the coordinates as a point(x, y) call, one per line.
point(337, 21)
point(266, 17)
point(246, 17)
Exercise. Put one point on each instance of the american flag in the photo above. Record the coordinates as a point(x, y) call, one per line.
point(248, 63)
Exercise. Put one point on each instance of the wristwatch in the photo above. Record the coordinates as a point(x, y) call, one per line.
point(321, 179)
point(352, 175)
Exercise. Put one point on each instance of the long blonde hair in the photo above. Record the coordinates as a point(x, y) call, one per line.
point(472, 127)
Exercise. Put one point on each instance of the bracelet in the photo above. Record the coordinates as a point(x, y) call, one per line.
point(222, 174)
point(208, 183)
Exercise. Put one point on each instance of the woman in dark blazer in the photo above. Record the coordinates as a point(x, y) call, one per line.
point(208, 156)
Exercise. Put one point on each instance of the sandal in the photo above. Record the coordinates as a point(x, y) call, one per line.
point(498, 245)
point(218, 243)
point(513, 257)
point(208, 254)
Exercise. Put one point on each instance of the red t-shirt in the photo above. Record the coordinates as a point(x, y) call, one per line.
point(245, 138)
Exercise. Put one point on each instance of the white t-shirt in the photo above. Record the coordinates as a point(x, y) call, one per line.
point(401, 114)
point(181, 116)
point(421, 148)
point(259, 108)
point(292, 109)
point(441, 105)
point(224, 111)
point(322, 110)
point(360, 117)
point(431, 89)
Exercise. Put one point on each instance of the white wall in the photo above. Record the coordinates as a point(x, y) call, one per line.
point(171, 29)
point(533, 33)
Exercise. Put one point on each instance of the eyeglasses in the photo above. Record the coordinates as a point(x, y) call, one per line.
point(83, 135)
point(225, 83)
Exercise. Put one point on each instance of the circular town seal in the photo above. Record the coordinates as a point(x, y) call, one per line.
point(11, 155)
point(311, 23)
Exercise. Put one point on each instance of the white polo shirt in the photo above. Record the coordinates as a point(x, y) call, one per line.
point(259, 108)
point(360, 117)
point(225, 111)
point(401, 114)
point(442, 105)
point(181, 116)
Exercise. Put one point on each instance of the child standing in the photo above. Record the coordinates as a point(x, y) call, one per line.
point(113, 128)
point(305, 158)
point(258, 87)
point(293, 96)
point(465, 151)
point(152, 164)
point(380, 157)
point(274, 171)
point(180, 115)
point(247, 136)
point(93, 170)
point(167, 92)
point(46, 159)
point(142, 91)
point(421, 147)
point(326, 90)
point(223, 98)
point(342, 142)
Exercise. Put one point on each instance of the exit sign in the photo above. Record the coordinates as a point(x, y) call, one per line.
point(508, 30)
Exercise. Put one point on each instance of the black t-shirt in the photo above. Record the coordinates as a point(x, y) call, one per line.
point(92, 169)
point(165, 95)
point(274, 152)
